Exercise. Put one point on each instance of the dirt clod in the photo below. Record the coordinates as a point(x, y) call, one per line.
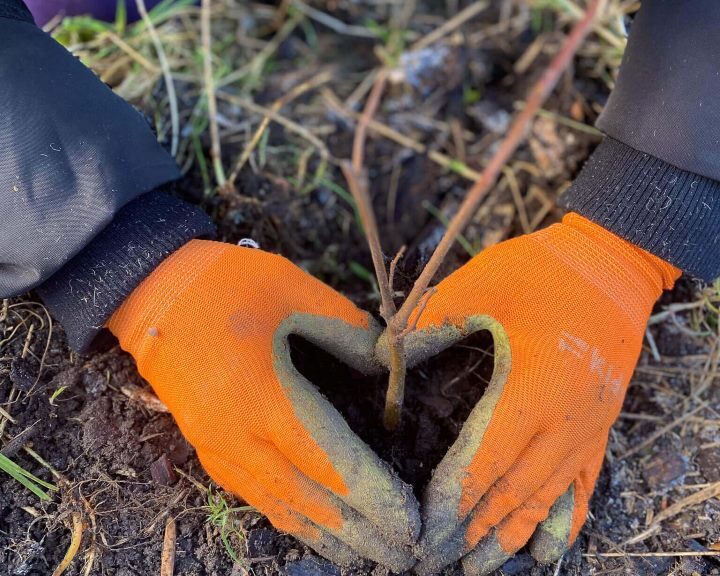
point(312, 566)
point(708, 461)
point(665, 470)
point(162, 471)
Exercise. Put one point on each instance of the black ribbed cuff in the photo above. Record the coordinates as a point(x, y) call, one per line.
point(15, 10)
point(667, 211)
point(87, 290)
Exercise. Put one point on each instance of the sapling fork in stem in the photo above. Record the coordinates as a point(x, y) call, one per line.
point(398, 320)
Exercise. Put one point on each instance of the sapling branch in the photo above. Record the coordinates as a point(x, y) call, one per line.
point(398, 321)
point(393, 267)
point(515, 135)
point(356, 177)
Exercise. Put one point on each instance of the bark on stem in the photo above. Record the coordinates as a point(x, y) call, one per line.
point(357, 181)
point(396, 383)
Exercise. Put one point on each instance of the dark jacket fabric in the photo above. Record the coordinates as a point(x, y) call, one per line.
point(81, 214)
point(654, 180)
point(84, 218)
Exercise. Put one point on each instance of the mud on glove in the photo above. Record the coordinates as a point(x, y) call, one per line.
point(567, 307)
point(209, 330)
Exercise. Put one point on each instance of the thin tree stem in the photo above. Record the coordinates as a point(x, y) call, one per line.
point(359, 190)
point(396, 384)
point(515, 135)
point(371, 106)
point(357, 181)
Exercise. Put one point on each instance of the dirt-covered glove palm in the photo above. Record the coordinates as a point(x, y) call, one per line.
point(209, 330)
point(567, 307)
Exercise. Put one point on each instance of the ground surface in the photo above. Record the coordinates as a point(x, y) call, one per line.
point(123, 469)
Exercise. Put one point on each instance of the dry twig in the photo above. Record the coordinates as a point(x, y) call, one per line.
point(215, 151)
point(449, 26)
point(651, 554)
point(167, 75)
point(167, 563)
point(712, 491)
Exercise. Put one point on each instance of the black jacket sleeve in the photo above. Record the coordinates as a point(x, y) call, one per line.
point(655, 179)
point(82, 217)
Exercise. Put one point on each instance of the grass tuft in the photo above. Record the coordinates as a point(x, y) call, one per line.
point(222, 516)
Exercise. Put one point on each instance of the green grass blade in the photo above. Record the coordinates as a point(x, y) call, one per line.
point(31, 482)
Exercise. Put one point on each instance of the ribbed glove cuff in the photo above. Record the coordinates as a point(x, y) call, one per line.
point(669, 212)
point(87, 290)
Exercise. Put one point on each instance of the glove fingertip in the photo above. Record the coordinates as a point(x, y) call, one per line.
point(486, 557)
point(552, 537)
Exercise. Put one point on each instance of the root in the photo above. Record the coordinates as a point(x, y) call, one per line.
point(77, 534)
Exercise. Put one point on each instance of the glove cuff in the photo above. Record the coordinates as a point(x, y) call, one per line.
point(89, 288)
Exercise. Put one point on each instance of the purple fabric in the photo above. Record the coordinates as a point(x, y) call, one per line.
point(44, 10)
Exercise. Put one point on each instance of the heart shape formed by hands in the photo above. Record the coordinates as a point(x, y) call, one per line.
point(443, 495)
point(567, 306)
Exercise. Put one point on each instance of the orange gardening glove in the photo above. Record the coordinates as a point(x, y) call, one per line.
point(567, 307)
point(209, 330)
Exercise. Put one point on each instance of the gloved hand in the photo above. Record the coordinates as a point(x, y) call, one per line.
point(209, 330)
point(567, 307)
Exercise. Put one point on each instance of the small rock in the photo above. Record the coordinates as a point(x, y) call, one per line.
point(22, 374)
point(261, 542)
point(162, 471)
point(518, 564)
point(490, 116)
point(311, 566)
point(665, 470)
point(708, 461)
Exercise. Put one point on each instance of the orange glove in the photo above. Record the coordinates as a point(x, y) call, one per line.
point(209, 330)
point(567, 308)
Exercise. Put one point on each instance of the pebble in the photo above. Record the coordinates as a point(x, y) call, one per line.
point(311, 566)
point(665, 470)
point(708, 461)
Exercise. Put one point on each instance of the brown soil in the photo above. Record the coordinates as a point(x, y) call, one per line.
point(106, 445)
